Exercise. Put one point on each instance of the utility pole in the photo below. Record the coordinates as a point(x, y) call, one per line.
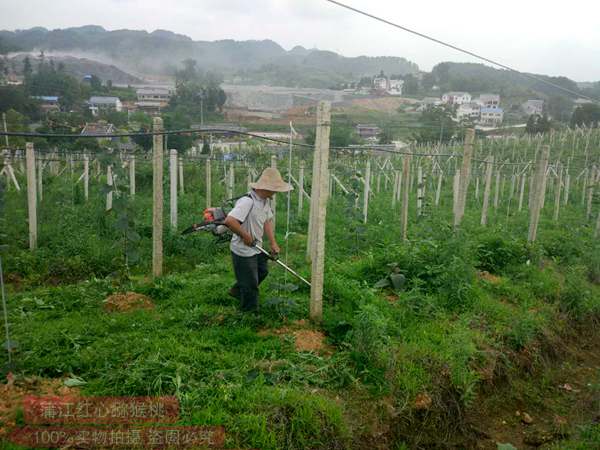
point(5, 129)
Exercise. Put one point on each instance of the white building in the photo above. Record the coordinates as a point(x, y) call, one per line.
point(468, 111)
point(531, 107)
point(97, 104)
point(491, 116)
point(456, 98)
point(385, 85)
point(489, 101)
point(380, 83)
point(158, 94)
point(395, 87)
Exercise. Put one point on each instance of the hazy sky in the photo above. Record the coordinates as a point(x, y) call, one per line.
point(542, 36)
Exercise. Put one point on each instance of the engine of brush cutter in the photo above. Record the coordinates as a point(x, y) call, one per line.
point(213, 222)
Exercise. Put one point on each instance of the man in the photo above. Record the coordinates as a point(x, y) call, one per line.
point(249, 220)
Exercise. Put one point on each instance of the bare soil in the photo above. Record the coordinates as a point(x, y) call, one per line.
point(128, 301)
point(306, 339)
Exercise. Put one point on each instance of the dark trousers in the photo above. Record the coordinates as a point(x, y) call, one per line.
point(249, 271)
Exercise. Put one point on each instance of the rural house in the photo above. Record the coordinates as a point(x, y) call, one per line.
point(489, 101)
point(456, 98)
point(98, 104)
point(491, 116)
point(468, 111)
point(367, 131)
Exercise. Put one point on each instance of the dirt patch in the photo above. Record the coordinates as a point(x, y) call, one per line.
point(485, 275)
point(128, 301)
point(13, 392)
point(309, 341)
point(306, 339)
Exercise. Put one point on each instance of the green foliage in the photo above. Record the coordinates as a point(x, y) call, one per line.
point(342, 135)
point(437, 126)
point(537, 124)
point(197, 92)
point(496, 252)
point(369, 336)
point(49, 81)
point(17, 99)
point(586, 115)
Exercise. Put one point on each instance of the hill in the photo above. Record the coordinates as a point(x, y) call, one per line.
point(478, 78)
point(79, 67)
point(161, 52)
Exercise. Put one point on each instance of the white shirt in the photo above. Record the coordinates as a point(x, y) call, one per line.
point(252, 212)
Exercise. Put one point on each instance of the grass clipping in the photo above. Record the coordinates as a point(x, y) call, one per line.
point(128, 301)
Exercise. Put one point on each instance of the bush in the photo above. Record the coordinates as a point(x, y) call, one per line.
point(495, 253)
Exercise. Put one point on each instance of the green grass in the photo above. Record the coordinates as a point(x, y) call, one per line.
point(436, 336)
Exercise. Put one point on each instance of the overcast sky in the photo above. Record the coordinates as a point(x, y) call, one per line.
point(541, 36)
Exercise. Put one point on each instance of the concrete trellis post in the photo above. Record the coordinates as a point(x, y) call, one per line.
point(274, 199)
point(231, 180)
point(567, 187)
point(86, 177)
point(438, 191)
point(405, 196)
point(584, 188)
point(420, 191)
point(497, 189)
point(320, 193)
point(367, 191)
point(109, 183)
point(399, 190)
point(314, 197)
point(40, 182)
point(31, 195)
point(590, 191)
point(513, 180)
point(132, 175)
point(522, 191)
point(180, 177)
point(301, 188)
point(455, 185)
point(208, 184)
point(465, 177)
point(173, 188)
point(557, 193)
point(539, 185)
point(157, 200)
point(489, 165)
point(395, 191)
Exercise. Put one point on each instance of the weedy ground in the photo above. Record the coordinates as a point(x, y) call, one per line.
point(484, 326)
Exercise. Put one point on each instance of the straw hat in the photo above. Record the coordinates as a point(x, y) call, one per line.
point(270, 180)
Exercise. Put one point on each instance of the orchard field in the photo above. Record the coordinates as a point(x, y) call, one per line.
point(487, 339)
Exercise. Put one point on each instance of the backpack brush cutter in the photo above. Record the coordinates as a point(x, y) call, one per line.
point(214, 219)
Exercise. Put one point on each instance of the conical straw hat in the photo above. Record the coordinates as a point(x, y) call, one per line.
point(270, 180)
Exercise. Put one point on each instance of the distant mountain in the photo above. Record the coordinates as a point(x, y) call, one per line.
point(161, 52)
point(79, 67)
point(479, 78)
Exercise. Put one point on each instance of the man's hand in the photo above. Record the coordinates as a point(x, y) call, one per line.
point(275, 250)
point(248, 239)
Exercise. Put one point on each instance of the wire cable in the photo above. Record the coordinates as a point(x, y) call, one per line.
point(462, 50)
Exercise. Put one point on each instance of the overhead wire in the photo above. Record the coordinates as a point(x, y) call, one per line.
point(462, 50)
